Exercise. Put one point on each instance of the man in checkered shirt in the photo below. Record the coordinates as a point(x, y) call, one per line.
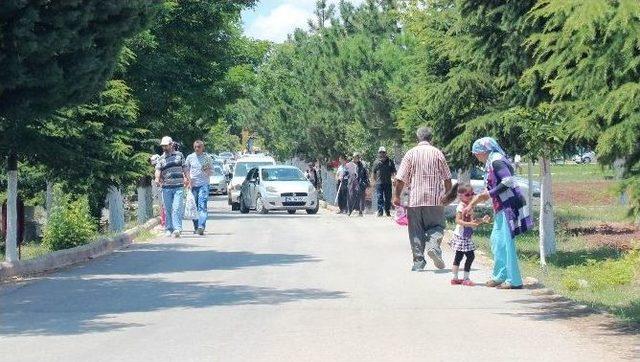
point(425, 172)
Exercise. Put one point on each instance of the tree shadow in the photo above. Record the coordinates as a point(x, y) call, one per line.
point(554, 307)
point(154, 258)
point(77, 305)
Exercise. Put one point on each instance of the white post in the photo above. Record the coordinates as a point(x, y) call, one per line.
point(116, 210)
point(530, 191)
point(547, 232)
point(145, 200)
point(11, 252)
point(49, 197)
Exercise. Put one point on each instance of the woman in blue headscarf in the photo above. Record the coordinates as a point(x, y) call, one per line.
point(511, 213)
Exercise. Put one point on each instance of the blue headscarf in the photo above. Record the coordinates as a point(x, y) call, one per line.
point(487, 145)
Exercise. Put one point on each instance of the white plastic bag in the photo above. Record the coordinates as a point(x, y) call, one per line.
point(190, 208)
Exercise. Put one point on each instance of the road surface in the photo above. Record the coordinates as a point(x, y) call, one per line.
point(285, 287)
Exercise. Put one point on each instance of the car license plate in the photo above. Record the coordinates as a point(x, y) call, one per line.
point(294, 199)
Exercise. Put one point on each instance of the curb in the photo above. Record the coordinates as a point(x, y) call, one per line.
point(63, 258)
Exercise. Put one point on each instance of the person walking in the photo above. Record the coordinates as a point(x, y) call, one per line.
point(200, 167)
point(342, 179)
point(425, 171)
point(354, 185)
point(172, 176)
point(313, 175)
point(384, 169)
point(511, 217)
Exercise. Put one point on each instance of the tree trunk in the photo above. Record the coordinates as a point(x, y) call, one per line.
point(11, 244)
point(49, 197)
point(116, 210)
point(464, 175)
point(547, 232)
point(145, 200)
point(530, 191)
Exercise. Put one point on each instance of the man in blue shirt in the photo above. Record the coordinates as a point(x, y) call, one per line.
point(199, 166)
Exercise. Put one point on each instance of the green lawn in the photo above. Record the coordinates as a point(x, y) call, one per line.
point(585, 269)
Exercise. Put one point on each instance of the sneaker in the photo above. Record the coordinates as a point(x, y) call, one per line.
point(388, 213)
point(379, 213)
point(360, 214)
point(200, 231)
point(468, 283)
point(455, 281)
point(176, 234)
point(168, 233)
point(437, 259)
point(419, 265)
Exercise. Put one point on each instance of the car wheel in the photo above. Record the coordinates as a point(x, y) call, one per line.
point(291, 212)
point(314, 210)
point(235, 206)
point(586, 160)
point(260, 208)
point(244, 209)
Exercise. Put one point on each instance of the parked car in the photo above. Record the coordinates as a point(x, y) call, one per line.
point(240, 170)
point(218, 181)
point(267, 188)
point(586, 157)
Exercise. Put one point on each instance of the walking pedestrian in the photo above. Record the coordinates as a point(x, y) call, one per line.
point(384, 169)
point(425, 170)
point(342, 179)
point(511, 217)
point(357, 184)
point(313, 175)
point(172, 175)
point(200, 167)
point(462, 242)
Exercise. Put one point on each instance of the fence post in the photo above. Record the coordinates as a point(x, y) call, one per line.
point(145, 200)
point(116, 210)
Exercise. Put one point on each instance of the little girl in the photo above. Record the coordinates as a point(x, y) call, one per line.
point(461, 240)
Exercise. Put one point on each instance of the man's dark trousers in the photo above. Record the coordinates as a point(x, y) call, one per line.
point(383, 191)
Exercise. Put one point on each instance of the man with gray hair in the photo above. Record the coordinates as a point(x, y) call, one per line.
point(426, 173)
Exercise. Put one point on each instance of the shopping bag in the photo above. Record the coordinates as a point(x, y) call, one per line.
point(401, 216)
point(190, 208)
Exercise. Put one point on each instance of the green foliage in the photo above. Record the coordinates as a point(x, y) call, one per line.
point(604, 274)
point(69, 224)
point(220, 139)
point(312, 91)
point(54, 54)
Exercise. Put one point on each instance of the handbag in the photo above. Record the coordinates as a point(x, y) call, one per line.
point(190, 208)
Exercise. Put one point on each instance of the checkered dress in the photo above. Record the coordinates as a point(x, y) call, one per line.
point(460, 243)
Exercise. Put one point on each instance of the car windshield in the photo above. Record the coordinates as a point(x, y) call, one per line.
point(217, 171)
point(242, 168)
point(282, 174)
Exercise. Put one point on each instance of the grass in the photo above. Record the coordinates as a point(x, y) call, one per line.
point(601, 276)
point(30, 250)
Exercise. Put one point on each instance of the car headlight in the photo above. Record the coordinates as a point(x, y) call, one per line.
point(272, 189)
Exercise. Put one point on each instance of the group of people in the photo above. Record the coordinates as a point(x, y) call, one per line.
point(174, 173)
point(425, 173)
point(353, 180)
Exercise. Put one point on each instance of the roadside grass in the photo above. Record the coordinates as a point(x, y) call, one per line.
point(585, 268)
point(145, 236)
point(30, 250)
point(574, 172)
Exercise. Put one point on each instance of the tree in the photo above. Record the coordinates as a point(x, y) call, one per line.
point(54, 55)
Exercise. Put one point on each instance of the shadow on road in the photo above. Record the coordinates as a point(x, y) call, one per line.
point(550, 308)
point(74, 305)
point(157, 258)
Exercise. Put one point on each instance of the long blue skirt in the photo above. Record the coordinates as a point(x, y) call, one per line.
point(503, 247)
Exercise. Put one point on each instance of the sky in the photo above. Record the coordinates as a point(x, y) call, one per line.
point(274, 19)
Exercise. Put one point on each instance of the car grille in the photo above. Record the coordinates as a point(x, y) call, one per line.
point(293, 203)
point(293, 194)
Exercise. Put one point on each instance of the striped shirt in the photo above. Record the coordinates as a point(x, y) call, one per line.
point(424, 170)
point(171, 168)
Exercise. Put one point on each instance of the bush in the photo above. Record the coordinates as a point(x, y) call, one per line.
point(69, 224)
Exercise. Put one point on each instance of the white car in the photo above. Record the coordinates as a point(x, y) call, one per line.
point(240, 170)
point(586, 157)
point(217, 181)
point(267, 188)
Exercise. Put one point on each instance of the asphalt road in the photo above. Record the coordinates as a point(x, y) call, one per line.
point(287, 288)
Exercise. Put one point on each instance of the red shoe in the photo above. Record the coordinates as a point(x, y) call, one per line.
point(455, 281)
point(468, 283)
